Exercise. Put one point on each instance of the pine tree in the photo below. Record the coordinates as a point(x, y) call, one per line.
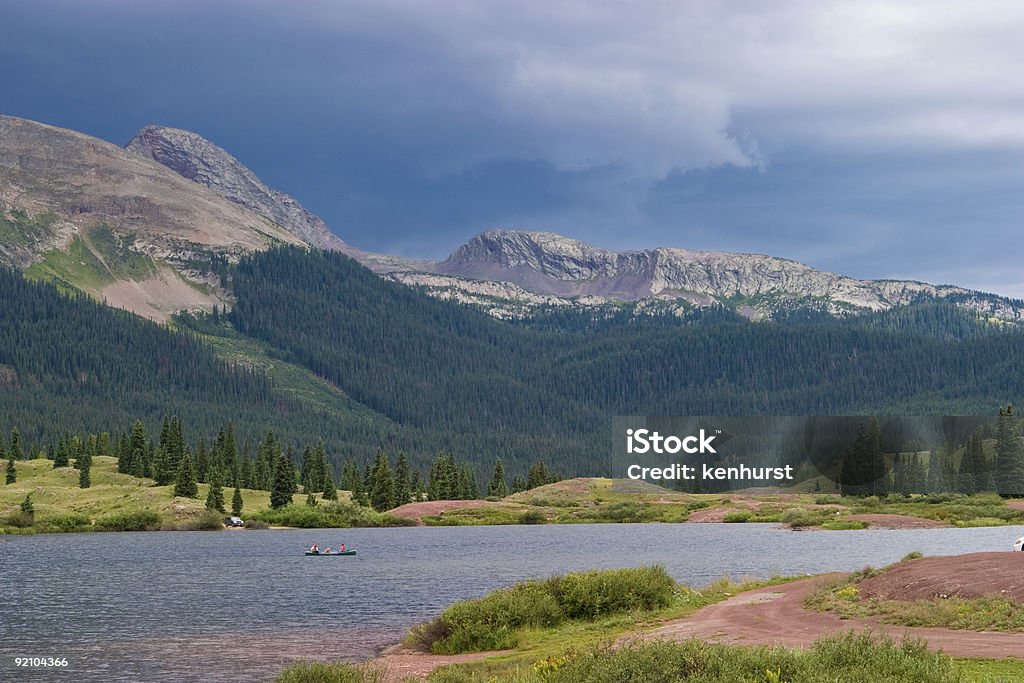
point(1009, 455)
point(382, 497)
point(352, 481)
point(130, 460)
point(537, 476)
point(881, 480)
point(16, 451)
point(27, 509)
point(497, 487)
point(12, 472)
point(518, 484)
point(283, 486)
point(215, 496)
point(311, 500)
point(202, 462)
point(236, 502)
point(84, 475)
point(62, 457)
point(330, 491)
point(403, 480)
point(468, 489)
point(185, 486)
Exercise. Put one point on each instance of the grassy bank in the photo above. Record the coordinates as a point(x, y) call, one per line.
point(599, 500)
point(562, 630)
point(987, 613)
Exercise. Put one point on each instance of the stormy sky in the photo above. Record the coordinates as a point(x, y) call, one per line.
point(877, 139)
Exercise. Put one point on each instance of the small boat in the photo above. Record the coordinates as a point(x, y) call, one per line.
point(333, 553)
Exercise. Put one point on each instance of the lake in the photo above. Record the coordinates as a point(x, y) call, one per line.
point(213, 607)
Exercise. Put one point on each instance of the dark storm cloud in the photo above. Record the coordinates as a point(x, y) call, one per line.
point(874, 139)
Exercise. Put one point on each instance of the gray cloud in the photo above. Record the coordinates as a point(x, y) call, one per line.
point(875, 138)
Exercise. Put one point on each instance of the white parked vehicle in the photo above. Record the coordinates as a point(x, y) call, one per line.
point(1019, 545)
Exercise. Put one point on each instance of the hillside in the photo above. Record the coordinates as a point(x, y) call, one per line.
point(119, 227)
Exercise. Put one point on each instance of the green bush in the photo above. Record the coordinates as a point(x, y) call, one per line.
point(589, 595)
point(140, 520)
point(847, 658)
point(532, 517)
point(256, 524)
point(68, 523)
point(844, 525)
point(334, 515)
point(320, 672)
point(799, 517)
point(209, 520)
point(738, 517)
point(492, 622)
point(20, 519)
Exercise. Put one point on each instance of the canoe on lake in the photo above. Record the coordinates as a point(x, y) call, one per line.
point(333, 553)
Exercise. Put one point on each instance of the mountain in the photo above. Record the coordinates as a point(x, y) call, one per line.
point(123, 228)
point(542, 269)
point(194, 157)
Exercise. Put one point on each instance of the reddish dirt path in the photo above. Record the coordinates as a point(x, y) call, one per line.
point(401, 663)
point(435, 507)
point(775, 616)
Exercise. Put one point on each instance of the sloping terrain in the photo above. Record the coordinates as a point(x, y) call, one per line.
point(95, 216)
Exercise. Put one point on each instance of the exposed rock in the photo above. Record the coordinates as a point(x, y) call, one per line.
point(569, 271)
point(194, 157)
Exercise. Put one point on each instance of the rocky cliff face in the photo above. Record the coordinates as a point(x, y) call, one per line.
point(194, 157)
point(542, 263)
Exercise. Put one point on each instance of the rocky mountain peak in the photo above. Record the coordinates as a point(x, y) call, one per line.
point(194, 157)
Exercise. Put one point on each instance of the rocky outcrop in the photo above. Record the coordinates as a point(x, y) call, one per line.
point(194, 157)
point(90, 212)
point(570, 271)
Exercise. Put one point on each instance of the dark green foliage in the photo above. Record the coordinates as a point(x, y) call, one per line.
point(330, 490)
point(403, 480)
point(975, 473)
point(26, 505)
point(491, 622)
point(141, 520)
point(1009, 454)
point(451, 481)
point(311, 500)
point(518, 484)
point(382, 493)
point(540, 475)
point(328, 515)
point(11, 472)
point(236, 502)
point(215, 496)
point(850, 657)
point(185, 484)
point(283, 487)
point(16, 451)
point(62, 456)
point(497, 487)
point(84, 465)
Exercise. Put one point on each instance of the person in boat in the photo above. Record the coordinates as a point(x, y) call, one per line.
point(314, 549)
point(341, 548)
point(327, 551)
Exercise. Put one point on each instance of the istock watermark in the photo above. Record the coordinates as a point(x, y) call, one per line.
point(867, 455)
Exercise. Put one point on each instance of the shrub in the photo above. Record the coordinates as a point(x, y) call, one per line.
point(913, 555)
point(21, 520)
point(141, 520)
point(588, 595)
point(256, 524)
point(68, 523)
point(209, 520)
point(532, 517)
point(799, 517)
point(738, 517)
point(844, 525)
point(320, 672)
point(492, 622)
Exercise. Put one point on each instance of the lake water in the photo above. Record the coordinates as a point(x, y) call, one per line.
point(211, 607)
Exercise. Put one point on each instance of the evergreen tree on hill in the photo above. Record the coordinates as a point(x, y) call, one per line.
point(497, 487)
point(283, 486)
point(403, 480)
point(185, 486)
point(84, 471)
point(236, 502)
point(382, 496)
point(16, 451)
point(12, 472)
point(215, 496)
point(1009, 455)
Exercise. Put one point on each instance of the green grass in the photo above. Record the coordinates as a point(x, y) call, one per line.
point(846, 658)
point(61, 506)
point(319, 672)
point(78, 268)
point(328, 515)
